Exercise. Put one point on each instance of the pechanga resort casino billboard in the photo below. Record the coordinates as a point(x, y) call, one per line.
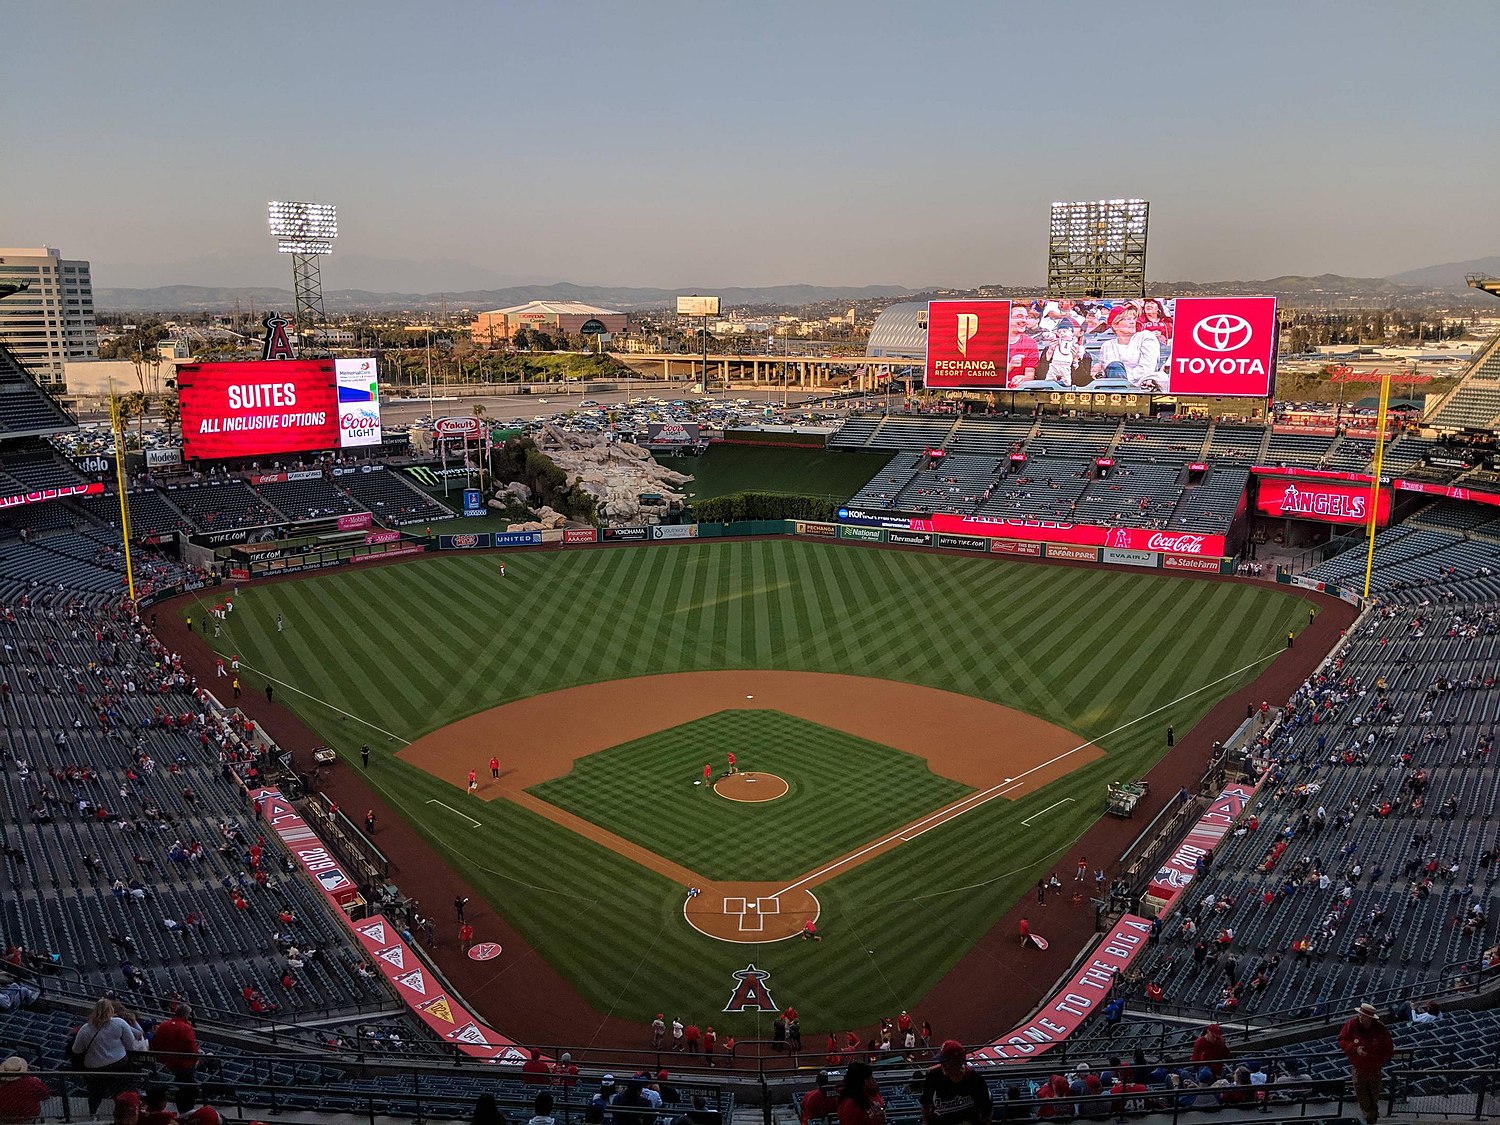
point(268, 407)
point(1153, 345)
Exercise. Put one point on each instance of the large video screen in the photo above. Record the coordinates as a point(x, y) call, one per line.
point(262, 408)
point(1153, 345)
point(1322, 501)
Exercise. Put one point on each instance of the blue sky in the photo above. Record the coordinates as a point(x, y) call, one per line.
point(701, 144)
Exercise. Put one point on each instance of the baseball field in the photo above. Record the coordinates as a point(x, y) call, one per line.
point(918, 738)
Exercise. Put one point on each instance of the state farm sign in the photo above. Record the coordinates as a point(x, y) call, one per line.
point(1223, 345)
point(1320, 501)
point(1190, 562)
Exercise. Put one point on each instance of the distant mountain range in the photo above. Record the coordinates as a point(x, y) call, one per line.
point(195, 298)
point(1441, 285)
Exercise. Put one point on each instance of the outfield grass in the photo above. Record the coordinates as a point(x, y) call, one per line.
point(810, 472)
point(843, 792)
point(411, 647)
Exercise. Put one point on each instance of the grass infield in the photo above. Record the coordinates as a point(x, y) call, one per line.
point(409, 648)
point(843, 792)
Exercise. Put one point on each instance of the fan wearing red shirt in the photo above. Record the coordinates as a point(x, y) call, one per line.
point(21, 1094)
point(536, 1072)
point(1023, 352)
point(177, 1043)
point(860, 1102)
point(818, 1102)
point(694, 1039)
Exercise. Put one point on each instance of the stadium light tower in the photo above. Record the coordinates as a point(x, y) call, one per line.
point(1097, 249)
point(305, 231)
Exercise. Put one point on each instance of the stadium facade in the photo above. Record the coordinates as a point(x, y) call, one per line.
point(566, 318)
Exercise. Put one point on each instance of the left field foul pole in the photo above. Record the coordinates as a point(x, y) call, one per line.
point(117, 424)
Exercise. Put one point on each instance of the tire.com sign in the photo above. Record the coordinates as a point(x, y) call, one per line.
point(260, 408)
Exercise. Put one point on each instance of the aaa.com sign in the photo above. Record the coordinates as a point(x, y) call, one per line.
point(1321, 501)
point(1223, 346)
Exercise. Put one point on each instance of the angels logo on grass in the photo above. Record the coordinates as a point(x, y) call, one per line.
point(414, 980)
point(392, 956)
point(469, 1033)
point(375, 931)
point(751, 991)
point(484, 951)
point(440, 1008)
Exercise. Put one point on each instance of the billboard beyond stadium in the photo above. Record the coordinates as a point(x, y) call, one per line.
point(1187, 345)
point(268, 407)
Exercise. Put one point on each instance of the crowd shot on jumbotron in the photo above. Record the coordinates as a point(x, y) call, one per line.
point(512, 685)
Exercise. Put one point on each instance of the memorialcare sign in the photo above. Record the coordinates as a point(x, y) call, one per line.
point(1086, 992)
point(257, 409)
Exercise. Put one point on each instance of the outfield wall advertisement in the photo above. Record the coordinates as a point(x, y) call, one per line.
point(1323, 501)
point(1220, 346)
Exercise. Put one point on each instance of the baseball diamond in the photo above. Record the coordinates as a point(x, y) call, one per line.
point(586, 673)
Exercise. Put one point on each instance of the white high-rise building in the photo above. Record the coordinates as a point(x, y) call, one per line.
point(52, 322)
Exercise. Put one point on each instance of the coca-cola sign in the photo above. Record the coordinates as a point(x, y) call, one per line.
point(1090, 535)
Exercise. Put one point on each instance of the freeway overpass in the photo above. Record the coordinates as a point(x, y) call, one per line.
point(769, 370)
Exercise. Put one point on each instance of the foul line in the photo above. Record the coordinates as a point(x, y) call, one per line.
point(324, 703)
point(975, 800)
point(454, 811)
point(1027, 822)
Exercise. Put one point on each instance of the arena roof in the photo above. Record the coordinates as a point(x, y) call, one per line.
point(554, 308)
point(900, 332)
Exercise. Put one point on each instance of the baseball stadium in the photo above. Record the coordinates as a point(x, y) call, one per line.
point(977, 728)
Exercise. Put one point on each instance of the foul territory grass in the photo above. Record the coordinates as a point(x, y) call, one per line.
point(411, 647)
point(729, 468)
point(842, 792)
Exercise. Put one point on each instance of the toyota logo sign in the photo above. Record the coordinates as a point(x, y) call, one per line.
point(1222, 333)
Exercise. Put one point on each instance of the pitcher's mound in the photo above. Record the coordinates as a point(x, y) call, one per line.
point(751, 788)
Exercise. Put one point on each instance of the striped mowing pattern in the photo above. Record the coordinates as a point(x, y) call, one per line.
point(844, 792)
point(413, 647)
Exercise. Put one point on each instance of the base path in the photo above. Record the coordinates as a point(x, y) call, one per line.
point(995, 750)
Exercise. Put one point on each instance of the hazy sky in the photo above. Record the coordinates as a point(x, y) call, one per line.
point(703, 143)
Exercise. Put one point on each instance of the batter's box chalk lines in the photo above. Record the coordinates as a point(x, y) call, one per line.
point(454, 811)
point(1049, 808)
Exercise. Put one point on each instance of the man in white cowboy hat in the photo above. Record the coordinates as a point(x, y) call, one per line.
point(21, 1094)
point(1367, 1042)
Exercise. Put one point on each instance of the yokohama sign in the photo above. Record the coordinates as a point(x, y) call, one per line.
point(1321, 501)
point(1044, 531)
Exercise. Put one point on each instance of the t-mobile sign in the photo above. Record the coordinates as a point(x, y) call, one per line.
point(968, 344)
point(1223, 346)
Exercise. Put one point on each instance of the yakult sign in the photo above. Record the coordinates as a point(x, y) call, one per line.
point(1223, 346)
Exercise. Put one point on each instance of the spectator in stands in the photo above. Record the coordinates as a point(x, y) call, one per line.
point(541, 1110)
point(1367, 1043)
point(156, 1111)
point(819, 1102)
point(1211, 1048)
point(700, 1114)
point(176, 1045)
point(535, 1071)
point(630, 1106)
point(953, 1092)
point(104, 1042)
point(21, 1094)
point(860, 1100)
point(487, 1111)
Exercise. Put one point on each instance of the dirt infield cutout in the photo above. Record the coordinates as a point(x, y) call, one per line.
point(997, 751)
point(752, 788)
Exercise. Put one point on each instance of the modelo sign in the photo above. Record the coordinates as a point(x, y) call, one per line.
point(257, 408)
point(1321, 501)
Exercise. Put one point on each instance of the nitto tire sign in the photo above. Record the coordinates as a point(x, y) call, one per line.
point(962, 543)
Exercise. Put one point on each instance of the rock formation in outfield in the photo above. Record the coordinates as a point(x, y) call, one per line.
point(617, 473)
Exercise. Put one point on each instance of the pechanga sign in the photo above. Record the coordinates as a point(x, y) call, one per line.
point(968, 344)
